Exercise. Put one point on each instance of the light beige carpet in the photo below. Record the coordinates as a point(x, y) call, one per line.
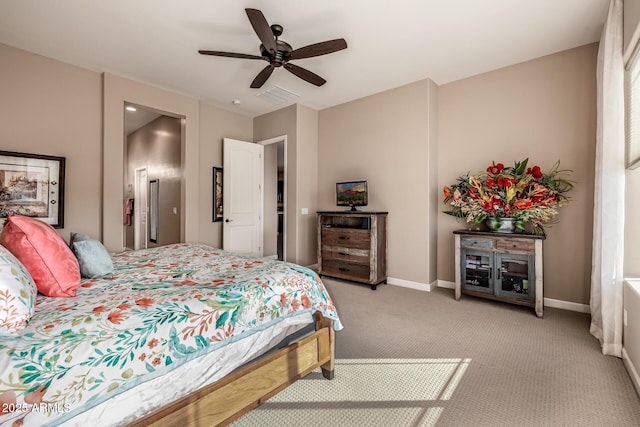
point(411, 358)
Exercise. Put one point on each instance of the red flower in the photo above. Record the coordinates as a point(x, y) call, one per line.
point(491, 183)
point(144, 302)
point(99, 309)
point(153, 343)
point(124, 306)
point(535, 171)
point(156, 361)
point(295, 304)
point(495, 169)
point(115, 317)
point(143, 356)
point(446, 192)
point(305, 301)
point(505, 182)
point(472, 193)
point(523, 204)
point(488, 207)
point(283, 299)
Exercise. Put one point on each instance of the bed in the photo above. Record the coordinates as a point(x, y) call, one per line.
point(179, 335)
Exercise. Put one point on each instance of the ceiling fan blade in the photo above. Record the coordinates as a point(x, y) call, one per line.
point(305, 74)
point(262, 77)
point(318, 49)
point(262, 29)
point(231, 54)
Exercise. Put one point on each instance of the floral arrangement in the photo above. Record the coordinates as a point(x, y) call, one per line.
point(520, 192)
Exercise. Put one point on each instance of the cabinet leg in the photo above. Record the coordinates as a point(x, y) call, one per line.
point(374, 287)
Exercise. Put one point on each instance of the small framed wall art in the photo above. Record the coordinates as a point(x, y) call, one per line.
point(217, 194)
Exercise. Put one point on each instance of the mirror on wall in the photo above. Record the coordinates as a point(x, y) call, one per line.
point(154, 191)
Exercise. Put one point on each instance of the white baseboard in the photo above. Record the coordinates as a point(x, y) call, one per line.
point(633, 373)
point(567, 305)
point(446, 284)
point(427, 287)
point(272, 257)
point(548, 302)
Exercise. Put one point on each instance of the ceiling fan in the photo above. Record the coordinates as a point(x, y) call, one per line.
point(278, 53)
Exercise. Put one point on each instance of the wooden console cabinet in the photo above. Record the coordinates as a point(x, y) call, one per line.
point(353, 246)
point(500, 266)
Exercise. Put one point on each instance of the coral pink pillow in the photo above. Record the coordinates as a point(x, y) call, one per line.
point(44, 253)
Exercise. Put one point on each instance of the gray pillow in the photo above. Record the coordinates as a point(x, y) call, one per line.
point(78, 237)
point(93, 258)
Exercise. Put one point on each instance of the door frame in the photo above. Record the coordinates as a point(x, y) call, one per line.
point(138, 206)
point(275, 140)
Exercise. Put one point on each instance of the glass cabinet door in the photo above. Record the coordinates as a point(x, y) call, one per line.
point(477, 270)
point(515, 276)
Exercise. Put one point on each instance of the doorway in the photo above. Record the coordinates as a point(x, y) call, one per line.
point(152, 153)
point(275, 200)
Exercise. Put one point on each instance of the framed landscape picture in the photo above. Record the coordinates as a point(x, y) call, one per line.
point(32, 185)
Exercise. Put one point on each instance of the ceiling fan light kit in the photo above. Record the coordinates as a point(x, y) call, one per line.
point(278, 53)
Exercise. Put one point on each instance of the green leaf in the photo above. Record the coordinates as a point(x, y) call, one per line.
point(223, 318)
point(521, 166)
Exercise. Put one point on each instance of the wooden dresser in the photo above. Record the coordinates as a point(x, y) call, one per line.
point(353, 246)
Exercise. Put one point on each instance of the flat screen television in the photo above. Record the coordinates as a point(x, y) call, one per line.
point(352, 194)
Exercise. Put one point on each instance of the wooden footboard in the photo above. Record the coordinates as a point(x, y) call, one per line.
point(247, 388)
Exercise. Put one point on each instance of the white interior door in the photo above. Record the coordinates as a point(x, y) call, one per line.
point(140, 206)
point(242, 191)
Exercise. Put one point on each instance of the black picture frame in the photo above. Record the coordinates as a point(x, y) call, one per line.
point(217, 194)
point(32, 185)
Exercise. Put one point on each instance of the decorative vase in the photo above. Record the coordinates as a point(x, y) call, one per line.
point(501, 225)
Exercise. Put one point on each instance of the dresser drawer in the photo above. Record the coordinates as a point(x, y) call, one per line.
point(477, 242)
point(351, 255)
point(346, 237)
point(515, 245)
point(345, 270)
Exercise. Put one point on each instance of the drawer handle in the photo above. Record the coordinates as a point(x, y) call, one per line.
point(343, 253)
point(343, 269)
point(343, 237)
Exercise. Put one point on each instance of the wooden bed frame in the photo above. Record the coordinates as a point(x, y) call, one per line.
point(247, 388)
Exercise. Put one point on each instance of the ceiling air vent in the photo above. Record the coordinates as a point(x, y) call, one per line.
point(278, 95)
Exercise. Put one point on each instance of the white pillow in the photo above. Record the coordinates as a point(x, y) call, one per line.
point(17, 294)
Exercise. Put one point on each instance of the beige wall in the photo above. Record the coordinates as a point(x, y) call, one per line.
point(157, 147)
point(542, 109)
point(48, 107)
point(384, 139)
point(307, 185)
point(631, 25)
point(215, 125)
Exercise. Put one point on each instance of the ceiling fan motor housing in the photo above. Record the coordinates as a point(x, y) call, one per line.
point(281, 54)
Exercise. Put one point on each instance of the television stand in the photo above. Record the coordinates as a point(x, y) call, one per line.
point(352, 245)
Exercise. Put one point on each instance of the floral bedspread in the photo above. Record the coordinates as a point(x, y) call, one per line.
point(163, 307)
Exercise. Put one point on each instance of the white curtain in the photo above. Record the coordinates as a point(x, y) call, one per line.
point(608, 215)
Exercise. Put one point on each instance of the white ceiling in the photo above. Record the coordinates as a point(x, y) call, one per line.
point(390, 43)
